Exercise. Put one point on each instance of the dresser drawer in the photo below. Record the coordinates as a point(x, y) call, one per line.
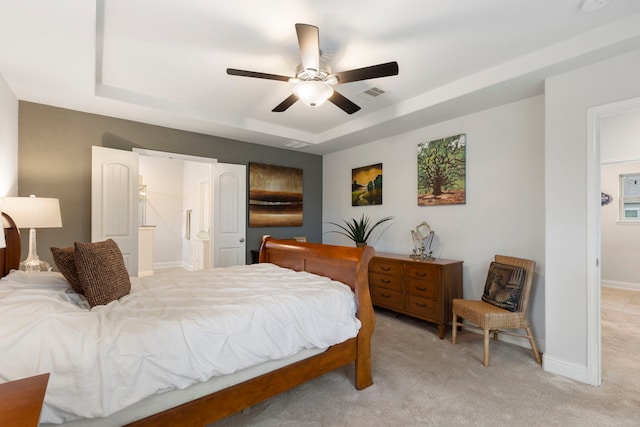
point(385, 267)
point(423, 307)
point(385, 281)
point(423, 272)
point(387, 298)
point(423, 289)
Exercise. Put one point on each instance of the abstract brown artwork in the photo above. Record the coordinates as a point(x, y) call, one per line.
point(275, 196)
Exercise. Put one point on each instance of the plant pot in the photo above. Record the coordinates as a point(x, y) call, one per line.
point(361, 244)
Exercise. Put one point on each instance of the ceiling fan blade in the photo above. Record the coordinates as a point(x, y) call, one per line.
point(366, 73)
point(244, 73)
point(342, 102)
point(309, 42)
point(291, 99)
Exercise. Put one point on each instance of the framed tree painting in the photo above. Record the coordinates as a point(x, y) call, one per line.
point(442, 171)
point(275, 196)
point(366, 185)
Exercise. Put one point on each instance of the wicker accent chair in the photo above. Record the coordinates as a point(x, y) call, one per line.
point(491, 318)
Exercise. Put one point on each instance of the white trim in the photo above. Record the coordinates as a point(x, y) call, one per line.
point(620, 285)
point(594, 340)
point(566, 369)
point(177, 156)
point(630, 159)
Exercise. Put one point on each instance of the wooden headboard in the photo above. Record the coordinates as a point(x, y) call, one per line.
point(9, 256)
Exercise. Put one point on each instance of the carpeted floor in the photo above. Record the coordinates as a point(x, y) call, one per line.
point(420, 380)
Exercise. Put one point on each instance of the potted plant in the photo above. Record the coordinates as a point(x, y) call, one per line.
point(358, 230)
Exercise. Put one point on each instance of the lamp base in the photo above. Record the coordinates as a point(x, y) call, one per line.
point(34, 266)
point(33, 263)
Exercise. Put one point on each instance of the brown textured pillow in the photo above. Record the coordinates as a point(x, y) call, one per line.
point(65, 260)
point(101, 271)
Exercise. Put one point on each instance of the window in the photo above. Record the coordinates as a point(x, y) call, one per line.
point(630, 197)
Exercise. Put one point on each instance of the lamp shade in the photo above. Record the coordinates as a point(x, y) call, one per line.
point(33, 212)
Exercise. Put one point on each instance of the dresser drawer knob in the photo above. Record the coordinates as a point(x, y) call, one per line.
point(421, 305)
point(420, 273)
point(386, 281)
point(420, 288)
point(385, 268)
point(385, 295)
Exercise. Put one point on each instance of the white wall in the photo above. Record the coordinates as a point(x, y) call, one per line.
point(620, 137)
point(504, 212)
point(8, 141)
point(567, 100)
point(620, 241)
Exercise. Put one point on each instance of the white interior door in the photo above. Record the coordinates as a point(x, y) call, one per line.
point(114, 201)
point(230, 214)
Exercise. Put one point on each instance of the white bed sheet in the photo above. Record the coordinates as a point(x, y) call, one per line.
point(170, 332)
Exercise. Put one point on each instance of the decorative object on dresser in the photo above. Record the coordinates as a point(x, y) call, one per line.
point(33, 212)
point(504, 303)
point(416, 287)
point(422, 238)
point(358, 230)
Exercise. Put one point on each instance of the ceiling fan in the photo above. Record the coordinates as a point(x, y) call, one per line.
point(313, 81)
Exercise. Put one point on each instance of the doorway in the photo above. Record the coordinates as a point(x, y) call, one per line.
point(212, 211)
point(175, 208)
point(596, 115)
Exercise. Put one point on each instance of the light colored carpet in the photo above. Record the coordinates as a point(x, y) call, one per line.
point(420, 380)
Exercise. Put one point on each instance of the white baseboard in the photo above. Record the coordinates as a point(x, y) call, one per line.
point(171, 264)
point(566, 369)
point(620, 285)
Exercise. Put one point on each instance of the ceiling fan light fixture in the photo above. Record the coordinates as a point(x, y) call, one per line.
point(313, 92)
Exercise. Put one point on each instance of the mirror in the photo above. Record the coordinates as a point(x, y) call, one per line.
point(423, 230)
point(422, 237)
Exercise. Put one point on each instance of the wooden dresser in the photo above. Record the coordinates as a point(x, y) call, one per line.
point(415, 287)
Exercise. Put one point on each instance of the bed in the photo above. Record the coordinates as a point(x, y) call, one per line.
point(200, 403)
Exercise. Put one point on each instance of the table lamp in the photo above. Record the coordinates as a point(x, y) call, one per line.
point(3, 244)
point(33, 212)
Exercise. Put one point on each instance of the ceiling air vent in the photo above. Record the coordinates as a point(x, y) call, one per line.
point(371, 93)
point(296, 144)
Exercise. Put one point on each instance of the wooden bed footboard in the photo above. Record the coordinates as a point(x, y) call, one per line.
point(345, 264)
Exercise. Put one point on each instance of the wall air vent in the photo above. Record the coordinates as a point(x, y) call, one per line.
point(371, 93)
point(295, 144)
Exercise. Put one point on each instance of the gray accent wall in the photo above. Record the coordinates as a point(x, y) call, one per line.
point(54, 160)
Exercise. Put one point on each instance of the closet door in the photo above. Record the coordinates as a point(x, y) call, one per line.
point(114, 201)
point(230, 214)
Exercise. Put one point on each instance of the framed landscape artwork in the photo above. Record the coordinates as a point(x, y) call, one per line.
point(366, 185)
point(442, 171)
point(275, 196)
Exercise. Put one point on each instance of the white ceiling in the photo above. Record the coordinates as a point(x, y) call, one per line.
point(164, 62)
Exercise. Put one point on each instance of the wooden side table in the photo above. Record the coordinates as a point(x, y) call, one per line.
point(416, 287)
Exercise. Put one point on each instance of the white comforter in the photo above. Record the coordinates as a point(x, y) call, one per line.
point(169, 332)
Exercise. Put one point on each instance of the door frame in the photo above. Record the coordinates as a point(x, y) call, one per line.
point(594, 325)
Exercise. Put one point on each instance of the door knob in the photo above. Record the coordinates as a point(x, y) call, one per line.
point(242, 240)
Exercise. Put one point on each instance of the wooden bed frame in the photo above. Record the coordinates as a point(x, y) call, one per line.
point(346, 264)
